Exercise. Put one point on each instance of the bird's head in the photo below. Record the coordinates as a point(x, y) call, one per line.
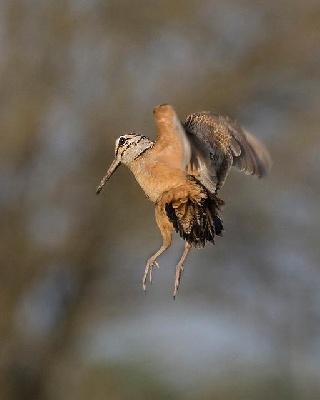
point(127, 149)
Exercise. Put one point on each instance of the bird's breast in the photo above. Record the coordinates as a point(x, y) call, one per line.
point(156, 177)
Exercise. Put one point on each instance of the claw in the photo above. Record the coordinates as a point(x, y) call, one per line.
point(151, 269)
point(179, 270)
point(148, 271)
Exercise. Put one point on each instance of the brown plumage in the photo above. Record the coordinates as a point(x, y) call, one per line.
point(183, 171)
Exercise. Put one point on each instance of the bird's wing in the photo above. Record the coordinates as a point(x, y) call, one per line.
point(172, 146)
point(217, 143)
point(249, 154)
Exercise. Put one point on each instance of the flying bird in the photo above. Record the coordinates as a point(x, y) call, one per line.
point(183, 171)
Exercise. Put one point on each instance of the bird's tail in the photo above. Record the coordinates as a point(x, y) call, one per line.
point(196, 217)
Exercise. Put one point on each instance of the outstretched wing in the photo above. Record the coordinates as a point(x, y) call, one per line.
point(217, 143)
point(250, 155)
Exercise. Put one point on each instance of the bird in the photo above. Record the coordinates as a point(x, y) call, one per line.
point(182, 173)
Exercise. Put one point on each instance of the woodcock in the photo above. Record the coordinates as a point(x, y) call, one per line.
point(183, 171)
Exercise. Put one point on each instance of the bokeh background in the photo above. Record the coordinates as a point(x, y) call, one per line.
point(74, 323)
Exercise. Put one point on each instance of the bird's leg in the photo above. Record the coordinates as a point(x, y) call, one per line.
point(150, 263)
point(179, 268)
point(166, 229)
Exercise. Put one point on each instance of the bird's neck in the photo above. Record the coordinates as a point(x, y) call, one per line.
point(136, 151)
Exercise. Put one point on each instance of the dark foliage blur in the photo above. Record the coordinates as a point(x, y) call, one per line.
point(73, 321)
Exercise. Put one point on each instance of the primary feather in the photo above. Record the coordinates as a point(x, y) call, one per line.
point(217, 143)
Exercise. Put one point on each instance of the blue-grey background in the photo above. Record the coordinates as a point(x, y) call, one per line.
point(74, 323)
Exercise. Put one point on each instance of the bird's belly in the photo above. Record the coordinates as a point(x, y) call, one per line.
point(158, 178)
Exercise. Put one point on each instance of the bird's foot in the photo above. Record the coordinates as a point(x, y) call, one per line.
point(148, 271)
point(179, 270)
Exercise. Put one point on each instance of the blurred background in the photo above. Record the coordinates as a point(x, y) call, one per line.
point(74, 323)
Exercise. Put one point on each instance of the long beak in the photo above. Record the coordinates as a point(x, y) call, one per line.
point(115, 164)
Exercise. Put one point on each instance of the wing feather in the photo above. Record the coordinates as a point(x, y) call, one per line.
point(218, 142)
point(207, 145)
point(254, 158)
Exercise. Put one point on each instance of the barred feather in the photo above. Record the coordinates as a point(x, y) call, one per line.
point(197, 223)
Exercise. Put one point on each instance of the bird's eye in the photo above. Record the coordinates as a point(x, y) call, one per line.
point(122, 141)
